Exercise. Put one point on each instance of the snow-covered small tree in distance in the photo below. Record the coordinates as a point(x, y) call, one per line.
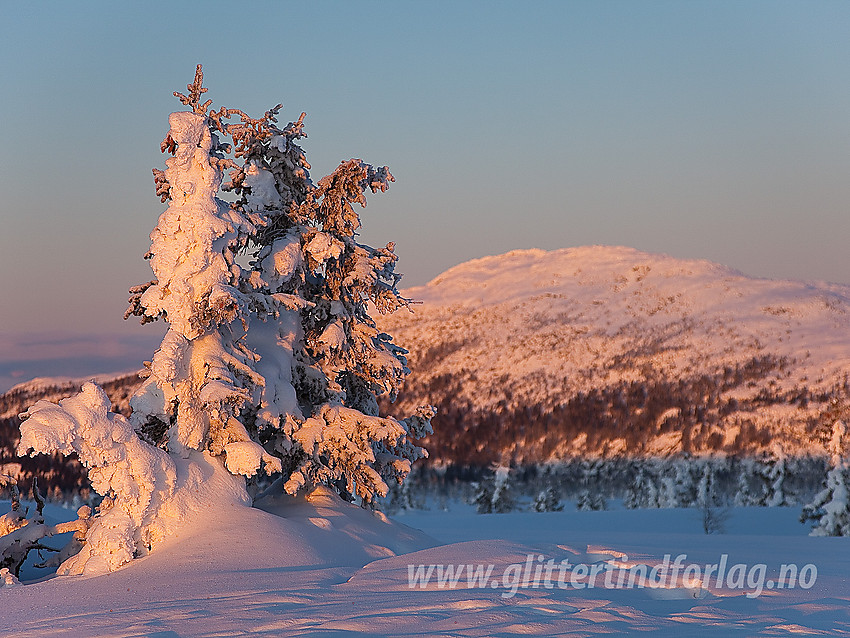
point(273, 366)
point(830, 509)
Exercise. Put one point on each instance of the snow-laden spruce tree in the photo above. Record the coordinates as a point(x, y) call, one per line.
point(746, 470)
point(495, 493)
point(548, 500)
point(277, 364)
point(642, 492)
point(274, 366)
point(591, 497)
point(830, 509)
point(677, 484)
point(203, 374)
point(772, 473)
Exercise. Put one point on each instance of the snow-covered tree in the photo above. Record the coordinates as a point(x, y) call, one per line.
point(402, 498)
point(772, 473)
point(677, 486)
point(744, 496)
point(830, 509)
point(591, 497)
point(276, 365)
point(202, 376)
point(495, 494)
point(591, 500)
point(642, 492)
point(778, 477)
point(279, 363)
point(548, 501)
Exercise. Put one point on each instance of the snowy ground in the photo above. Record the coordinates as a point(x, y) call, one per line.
point(323, 568)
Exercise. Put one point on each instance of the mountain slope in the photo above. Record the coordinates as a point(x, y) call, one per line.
point(17, 399)
point(535, 355)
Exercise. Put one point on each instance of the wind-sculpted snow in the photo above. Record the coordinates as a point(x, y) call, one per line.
point(148, 494)
point(321, 567)
point(621, 352)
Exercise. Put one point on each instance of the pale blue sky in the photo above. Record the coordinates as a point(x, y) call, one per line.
point(717, 130)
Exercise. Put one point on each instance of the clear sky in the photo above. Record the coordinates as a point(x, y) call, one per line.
point(716, 130)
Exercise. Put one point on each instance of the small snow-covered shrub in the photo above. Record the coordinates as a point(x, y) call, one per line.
point(22, 531)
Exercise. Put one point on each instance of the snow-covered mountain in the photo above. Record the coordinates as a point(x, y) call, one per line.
point(536, 355)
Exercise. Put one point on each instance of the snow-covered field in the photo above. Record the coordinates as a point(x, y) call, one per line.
point(319, 567)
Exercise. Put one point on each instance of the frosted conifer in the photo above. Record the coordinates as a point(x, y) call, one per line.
point(830, 509)
point(294, 362)
point(642, 492)
point(590, 501)
point(590, 497)
point(678, 489)
point(775, 475)
point(276, 365)
point(743, 492)
point(495, 494)
point(548, 501)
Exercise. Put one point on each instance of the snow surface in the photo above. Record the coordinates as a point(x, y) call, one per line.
point(316, 566)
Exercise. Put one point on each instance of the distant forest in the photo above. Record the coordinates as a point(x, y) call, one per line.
point(467, 442)
point(630, 412)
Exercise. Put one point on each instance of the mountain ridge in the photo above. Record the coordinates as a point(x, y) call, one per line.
point(598, 338)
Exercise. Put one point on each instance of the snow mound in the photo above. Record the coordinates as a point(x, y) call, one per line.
point(341, 532)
